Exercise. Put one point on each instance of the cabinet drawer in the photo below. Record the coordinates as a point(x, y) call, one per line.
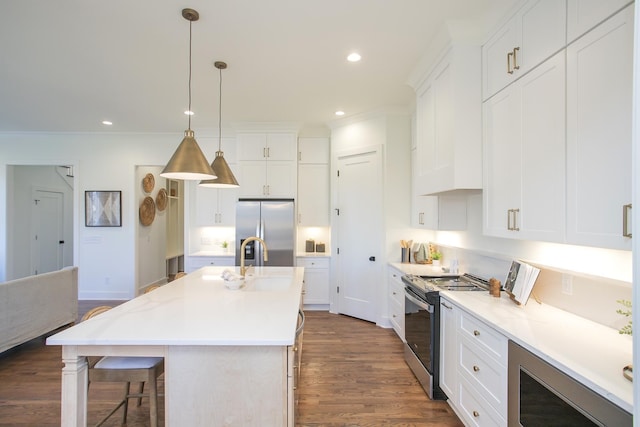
point(475, 410)
point(313, 262)
point(199, 262)
point(485, 337)
point(396, 293)
point(396, 315)
point(484, 374)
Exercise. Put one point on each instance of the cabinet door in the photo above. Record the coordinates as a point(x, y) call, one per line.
point(542, 173)
point(424, 209)
point(524, 156)
point(252, 146)
point(227, 200)
point(541, 34)
point(206, 206)
point(281, 179)
point(496, 64)
point(316, 283)
point(533, 34)
point(502, 154)
point(448, 350)
point(599, 118)
point(252, 178)
point(425, 113)
point(281, 146)
point(313, 195)
point(582, 15)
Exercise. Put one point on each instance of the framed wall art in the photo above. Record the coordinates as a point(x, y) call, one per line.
point(102, 209)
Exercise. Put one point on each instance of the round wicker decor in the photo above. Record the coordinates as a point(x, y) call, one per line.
point(147, 211)
point(148, 182)
point(161, 199)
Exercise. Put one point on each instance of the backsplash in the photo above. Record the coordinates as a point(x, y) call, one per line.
point(592, 297)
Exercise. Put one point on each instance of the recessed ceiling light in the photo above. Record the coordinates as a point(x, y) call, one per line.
point(189, 113)
point(107, 122)
point(339, 113)
point(354, 57)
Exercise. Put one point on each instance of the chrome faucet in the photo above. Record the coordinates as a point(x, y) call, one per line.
point(265, 256)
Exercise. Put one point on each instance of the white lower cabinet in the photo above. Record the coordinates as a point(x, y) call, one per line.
point(473, 367)
point(396, 301)
point(316, 280)
point(448, 341)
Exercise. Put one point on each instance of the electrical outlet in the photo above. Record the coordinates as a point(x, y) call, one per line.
point(567, 284)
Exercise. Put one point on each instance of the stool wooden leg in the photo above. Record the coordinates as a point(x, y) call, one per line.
point(153, 400)
point(127, 390)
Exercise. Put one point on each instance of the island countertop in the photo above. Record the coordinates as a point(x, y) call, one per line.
point(198, 309)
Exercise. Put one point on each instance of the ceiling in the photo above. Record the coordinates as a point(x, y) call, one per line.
point(70, 64)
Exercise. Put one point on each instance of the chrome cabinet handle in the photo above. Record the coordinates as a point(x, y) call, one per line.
point(476, 414)
point(509, 219)
point(475, 368)
point(626, 214)
point(476, 332)
point(515, 58)
point(515, 219)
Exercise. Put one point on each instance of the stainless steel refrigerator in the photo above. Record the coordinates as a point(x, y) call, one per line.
point(272, 220)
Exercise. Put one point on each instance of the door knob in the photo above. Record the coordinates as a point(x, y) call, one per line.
point(372, 258)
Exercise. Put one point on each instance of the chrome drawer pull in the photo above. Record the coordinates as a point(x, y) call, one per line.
point(475, 368)
point(476, 414)
point(476, 332)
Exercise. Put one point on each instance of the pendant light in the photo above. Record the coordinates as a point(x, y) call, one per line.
point(220, 166)
point(188, 162)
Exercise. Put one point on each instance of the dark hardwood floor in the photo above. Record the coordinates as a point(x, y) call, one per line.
point(353, 374)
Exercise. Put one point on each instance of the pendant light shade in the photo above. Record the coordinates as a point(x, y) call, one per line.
point(188, 162)
point(225, 178)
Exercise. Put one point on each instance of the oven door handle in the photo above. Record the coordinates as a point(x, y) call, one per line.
point(418, 302)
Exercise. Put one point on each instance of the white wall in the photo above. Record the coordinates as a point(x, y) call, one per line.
point(106, 257)
point(22, 181)
point(151, 239)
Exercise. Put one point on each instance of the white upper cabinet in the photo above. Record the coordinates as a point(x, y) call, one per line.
point(267, 165)
point(524, 156)
point(214, 206)
point(448, 124)
point(313, 182)
point(583, 15)
point(599, 122)
point(533, 34)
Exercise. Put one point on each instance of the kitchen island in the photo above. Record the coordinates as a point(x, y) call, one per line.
point(228, 353)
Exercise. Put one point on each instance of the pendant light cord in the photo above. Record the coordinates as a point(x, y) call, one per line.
point(220, 114)
point(189, 110)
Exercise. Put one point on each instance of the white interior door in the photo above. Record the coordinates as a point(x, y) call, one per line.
point(360, 231)
point(47, 231)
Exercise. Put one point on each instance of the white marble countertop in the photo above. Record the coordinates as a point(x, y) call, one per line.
point(199, 310)
point(591, 353)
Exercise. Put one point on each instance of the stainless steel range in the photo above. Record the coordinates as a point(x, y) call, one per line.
point(422, 324)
